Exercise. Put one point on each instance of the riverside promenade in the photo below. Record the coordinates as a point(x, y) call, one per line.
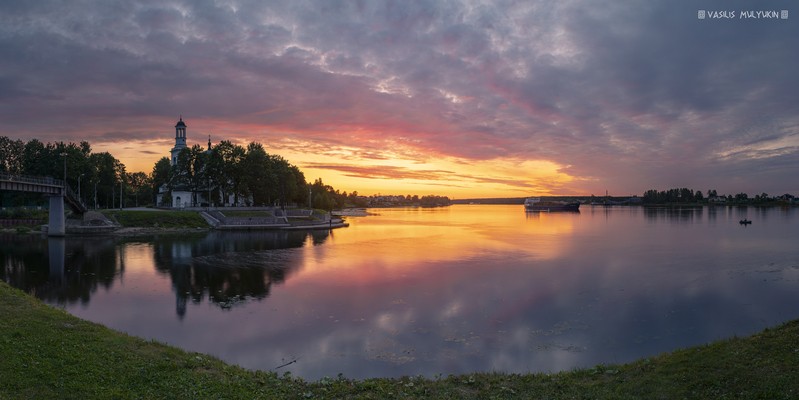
point(271, 218)
point(239, 218)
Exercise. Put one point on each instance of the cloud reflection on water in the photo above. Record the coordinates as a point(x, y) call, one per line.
point(468, 288)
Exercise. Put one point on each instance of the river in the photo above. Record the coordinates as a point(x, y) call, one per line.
point(433, 291)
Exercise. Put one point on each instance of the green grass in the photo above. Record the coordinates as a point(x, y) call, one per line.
point(23, 212)
point(47, 353)
point(157, 219)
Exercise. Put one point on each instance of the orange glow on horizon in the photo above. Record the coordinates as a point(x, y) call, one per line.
point(370, 163)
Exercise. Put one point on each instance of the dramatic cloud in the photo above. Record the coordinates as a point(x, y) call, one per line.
point(625, 96)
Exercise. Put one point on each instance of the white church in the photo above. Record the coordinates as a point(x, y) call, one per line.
point(180, 193)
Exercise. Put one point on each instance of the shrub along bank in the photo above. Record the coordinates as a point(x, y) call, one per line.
point(157, 219)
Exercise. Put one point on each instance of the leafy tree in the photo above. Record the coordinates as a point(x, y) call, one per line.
point(257, 177)
point(741, 197)
point(105, 178)
point(35, 159)
point(233, 166)
point(160, 176)
point(189, 169)
point(11, 155)
point(321, 195)
point(228, 170)
point(298, 187)
point(434, 201)
point(140, 186)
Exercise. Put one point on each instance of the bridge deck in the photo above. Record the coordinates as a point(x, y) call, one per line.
point(44, 185)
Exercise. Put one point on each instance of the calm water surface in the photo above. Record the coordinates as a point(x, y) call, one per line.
point(434, 291)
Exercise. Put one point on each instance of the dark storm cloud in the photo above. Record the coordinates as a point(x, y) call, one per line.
point(631, 94)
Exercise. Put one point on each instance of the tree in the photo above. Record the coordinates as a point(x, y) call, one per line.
point(35, 159)
point(231, 173)
point(228, 170)
point(160, 177)
point(298, 190)
point(321, 195)
point(104, 176)
point(288, 182)
point(434, 201)
point(189, 169)
point(215, 176)
point(257, 177)
point(11, 155)
point(139, 186)
point(741, 197)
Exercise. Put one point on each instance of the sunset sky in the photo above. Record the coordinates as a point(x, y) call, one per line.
point(457, 98)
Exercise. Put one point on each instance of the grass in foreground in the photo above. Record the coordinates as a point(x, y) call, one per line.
point(47, 353)
point(157, 219)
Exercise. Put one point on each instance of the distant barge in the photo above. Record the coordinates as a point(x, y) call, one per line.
point(536, 204)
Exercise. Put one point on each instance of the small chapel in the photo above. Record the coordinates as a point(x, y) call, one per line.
point(178, 194)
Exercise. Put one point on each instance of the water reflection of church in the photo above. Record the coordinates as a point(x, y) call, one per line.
point(226, 268)
point(232, 270)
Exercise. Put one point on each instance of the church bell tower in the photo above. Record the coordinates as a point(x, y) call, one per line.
point(180, 140)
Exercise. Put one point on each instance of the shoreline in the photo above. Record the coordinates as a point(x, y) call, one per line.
point(138, 222)
point(146, 231)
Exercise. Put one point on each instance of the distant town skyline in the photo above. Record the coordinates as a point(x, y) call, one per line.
point(467, 99)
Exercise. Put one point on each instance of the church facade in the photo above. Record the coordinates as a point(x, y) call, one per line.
point(177, 193)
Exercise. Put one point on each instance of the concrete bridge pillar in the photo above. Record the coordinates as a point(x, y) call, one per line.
point(56, 224)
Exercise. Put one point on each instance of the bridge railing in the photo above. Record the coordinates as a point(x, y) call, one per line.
point(72, 197)
point(31, 179)
point(47, 181)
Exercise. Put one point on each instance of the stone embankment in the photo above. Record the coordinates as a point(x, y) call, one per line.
point(91, 222)
point(284, 220)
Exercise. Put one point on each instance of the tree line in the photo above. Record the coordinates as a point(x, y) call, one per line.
point(689, 196)
point(338, 200)
point(247, 174)
point(102, 180)
point(96, 176)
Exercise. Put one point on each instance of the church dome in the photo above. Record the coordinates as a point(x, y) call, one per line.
point(180, 123)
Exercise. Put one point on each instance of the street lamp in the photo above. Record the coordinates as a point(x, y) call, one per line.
point(79, 176)
point(64, 154)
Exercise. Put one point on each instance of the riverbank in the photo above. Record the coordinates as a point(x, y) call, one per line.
point(157, 221)
point(48, 353)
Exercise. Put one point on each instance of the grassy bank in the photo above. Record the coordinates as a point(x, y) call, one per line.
point(157, 219)
point(46, 353)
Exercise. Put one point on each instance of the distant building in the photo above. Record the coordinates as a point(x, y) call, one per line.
point(716, 199)
point(177, 193)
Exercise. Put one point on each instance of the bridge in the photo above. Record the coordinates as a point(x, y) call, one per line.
point(56, 189)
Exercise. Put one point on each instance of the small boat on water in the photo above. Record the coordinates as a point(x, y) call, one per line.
point(744, 222)
point(536, 204)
